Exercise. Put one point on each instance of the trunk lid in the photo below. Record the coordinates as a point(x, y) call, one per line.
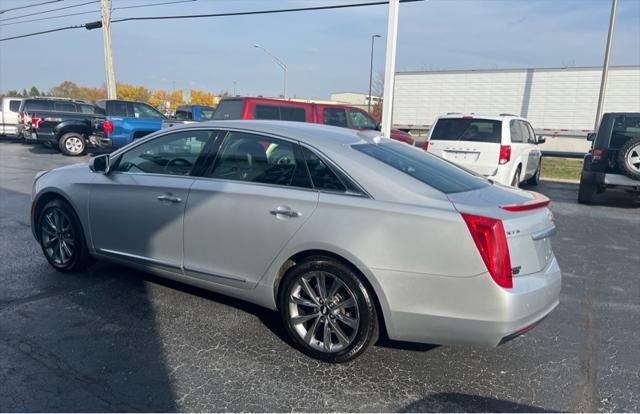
point(479, 157)
point(528, 229)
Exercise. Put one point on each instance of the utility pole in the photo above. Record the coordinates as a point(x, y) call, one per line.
point(605, 66)
point(279, 63)
point(373, 38)
point(108, 55)
point(390, 67)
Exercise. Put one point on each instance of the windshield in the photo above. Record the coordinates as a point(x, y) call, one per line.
point(467, 129)
point(427, 168)
point(231, 109)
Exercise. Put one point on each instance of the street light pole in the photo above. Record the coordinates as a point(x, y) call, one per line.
point(281, 64)
point(373, 38)
point(390, 67)
point(605, 66)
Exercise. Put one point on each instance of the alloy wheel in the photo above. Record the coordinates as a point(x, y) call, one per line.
point(633, 158)
point(324, 312)
point(74, 145)
point(57, 236)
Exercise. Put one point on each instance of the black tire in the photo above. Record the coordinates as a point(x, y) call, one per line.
point(57, 220)
point(629, 158)
point(355, 340)
point(72, 144)
point(515, 182)
point(535, 180)
point(586, 190)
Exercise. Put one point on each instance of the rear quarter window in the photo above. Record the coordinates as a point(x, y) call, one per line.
point(427, 168)
point(467, 129)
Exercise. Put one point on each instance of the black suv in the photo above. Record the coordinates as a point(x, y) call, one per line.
point(614, 159)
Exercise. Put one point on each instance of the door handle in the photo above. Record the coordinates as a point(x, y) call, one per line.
point(169, 198)
point(286, 212)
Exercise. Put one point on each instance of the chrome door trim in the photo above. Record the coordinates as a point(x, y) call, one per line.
point(544, 233)
point(140, 259)
point(203, 272)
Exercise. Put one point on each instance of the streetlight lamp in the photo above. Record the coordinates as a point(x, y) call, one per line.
point(373, 38)
point(281, 64)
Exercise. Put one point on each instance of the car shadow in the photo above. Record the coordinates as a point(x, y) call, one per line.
point(568, 193)
point(458, 402)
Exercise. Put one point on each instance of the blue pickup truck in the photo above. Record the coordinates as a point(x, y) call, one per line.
point(126, 121)
point(187, 114)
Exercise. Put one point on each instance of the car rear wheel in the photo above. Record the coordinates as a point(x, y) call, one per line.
point(535, 180)
point(327, 311)
point(72, 144)
point(516, 179)
point(629, 158)
point(61, 237)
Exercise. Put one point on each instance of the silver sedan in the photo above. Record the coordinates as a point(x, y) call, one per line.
point(348, 235)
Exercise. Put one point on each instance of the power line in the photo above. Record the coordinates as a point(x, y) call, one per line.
point(299, 9)
point(30, 5)
point(94, 11)
point(50, 10)
point(98, 24)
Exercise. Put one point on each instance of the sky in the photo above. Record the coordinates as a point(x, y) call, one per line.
point(325, 51)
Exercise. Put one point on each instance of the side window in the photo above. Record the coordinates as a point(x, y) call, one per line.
point(172, 154)
point(531, 135)
point(64, 107)
point(87, 109)
point(266, 112)
point(260, 159)
point(624, 128)
point(293, 114)
point(206, 114)
point(39, 105)
point(183, 115)
point(141, 110)
point(14, 105)
point(322, 177)
point(335, 117)
point(516, 131)
point(118, 109)
point(361, 121)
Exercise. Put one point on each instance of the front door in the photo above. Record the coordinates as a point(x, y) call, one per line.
point(136, 210)
point(241, 215)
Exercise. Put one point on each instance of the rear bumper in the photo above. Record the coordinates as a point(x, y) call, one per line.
point(465, 311)
point(609, 180)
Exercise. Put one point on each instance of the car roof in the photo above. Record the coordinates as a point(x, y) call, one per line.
point(500, 117)
point(313, 134)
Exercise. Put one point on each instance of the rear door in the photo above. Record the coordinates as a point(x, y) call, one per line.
point(534, 153)
point(473, 143)
point(239, 216)
point(520, 147)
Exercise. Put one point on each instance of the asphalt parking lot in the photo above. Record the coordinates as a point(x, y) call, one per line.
point(115, 339)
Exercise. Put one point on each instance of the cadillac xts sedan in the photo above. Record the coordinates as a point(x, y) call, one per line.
point(346, 234)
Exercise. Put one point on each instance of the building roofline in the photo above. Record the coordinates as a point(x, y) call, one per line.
point(516, 69)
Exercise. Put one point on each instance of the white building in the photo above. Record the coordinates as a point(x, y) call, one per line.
point(559, 101)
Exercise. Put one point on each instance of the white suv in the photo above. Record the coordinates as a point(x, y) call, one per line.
point(502, 148)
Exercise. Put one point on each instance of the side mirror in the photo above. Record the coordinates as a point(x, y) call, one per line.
point(540, 139)
point(591, 136)
point(100, 164)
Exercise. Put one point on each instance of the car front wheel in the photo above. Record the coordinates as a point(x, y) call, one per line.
point(327, 310)
point(61, 237)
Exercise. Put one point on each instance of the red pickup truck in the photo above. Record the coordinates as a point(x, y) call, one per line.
point(328, 114)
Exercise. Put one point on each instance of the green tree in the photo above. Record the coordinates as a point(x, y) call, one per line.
point(12, 93)
point(24, 93)
point(34, 91)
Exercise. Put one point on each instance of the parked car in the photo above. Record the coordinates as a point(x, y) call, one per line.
point(343, 232)
point(48, 104)
point(187, 114)
point(285, 110)
point(126, 121)
point(9, 116)
point(502, 148)
point(65, 129)
point(614, 159)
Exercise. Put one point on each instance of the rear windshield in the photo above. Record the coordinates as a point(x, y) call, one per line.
point(467, 129)
point(427, 168)
point(37, 105)
point(183, 115)
point(231, 109)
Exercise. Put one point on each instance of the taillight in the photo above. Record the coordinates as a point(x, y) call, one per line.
point(596, 154)
point(107, 127)
point(35, 123)
point(491, 241)
point(425, 145)
point(505, 154)
point(22, 118)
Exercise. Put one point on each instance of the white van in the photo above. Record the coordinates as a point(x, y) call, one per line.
point(9, 115)
point(503, 148)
